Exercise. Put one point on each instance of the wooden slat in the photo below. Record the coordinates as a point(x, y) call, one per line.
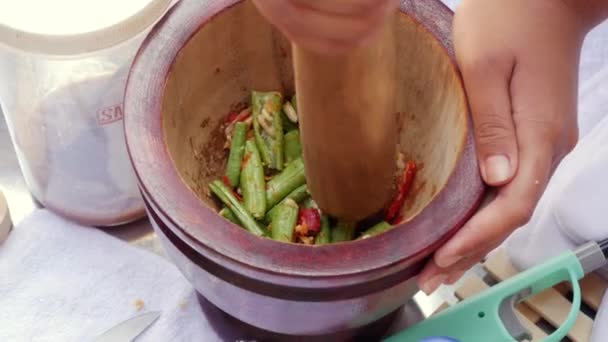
point(472, 285)
point(563, 288)
point(529, 313)
point(441, 308)
point(550, 304)
point(593, 288)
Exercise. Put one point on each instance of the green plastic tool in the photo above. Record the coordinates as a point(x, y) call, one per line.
point(490, 316)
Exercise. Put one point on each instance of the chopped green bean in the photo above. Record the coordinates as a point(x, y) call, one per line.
point(378, 228)
point(324, 235)
point(285, 182)
point(342, 232)
point(290, 112)
point(253, 183)
point(298, 195)
point(284, 221)
point(277, 142)
point(261, 139)
point(294, 102)
point(264, 106)
point(224, 193)
point(229, 215)
point(288, 126)
point(310, 203)
point(293, 147)
point(237, 149)
point(266, 166)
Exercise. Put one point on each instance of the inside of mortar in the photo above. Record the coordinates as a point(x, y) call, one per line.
point(238, 51)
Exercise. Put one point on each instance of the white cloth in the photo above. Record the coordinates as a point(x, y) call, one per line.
point(63, 282)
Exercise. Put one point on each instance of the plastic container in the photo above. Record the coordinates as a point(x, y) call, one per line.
point(63, 70)
point(6, 224)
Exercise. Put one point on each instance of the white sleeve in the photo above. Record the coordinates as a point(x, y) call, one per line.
point(570, 211)
point(574, 208)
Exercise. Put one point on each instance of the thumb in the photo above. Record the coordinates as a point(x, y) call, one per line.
point(487, 86)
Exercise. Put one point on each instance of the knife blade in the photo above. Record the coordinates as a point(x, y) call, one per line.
point(128, 330)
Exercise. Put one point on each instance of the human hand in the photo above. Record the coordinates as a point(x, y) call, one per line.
point(519, 60)
point(327, 26)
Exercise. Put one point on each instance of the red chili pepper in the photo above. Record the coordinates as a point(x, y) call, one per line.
point(241, 118)
point(311, 218)
point(226, 181)
point(238, 116)
point(392, 213)
point(231, 117)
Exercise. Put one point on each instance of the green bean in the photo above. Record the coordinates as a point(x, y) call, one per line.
point(324, 235)
point(285, 182)
point(229, 215)
point(310, 203)
point(380, 227)
point(237, 149)
point(298, 195)
point(224, 193)
point(290, 112)
point(261, 139)
point(253, 184)
point(288, 126)
point(270, 102)
point(293, 148)
point(294, 102)
point(284, 221)
point(343, 231)
point(277, 142)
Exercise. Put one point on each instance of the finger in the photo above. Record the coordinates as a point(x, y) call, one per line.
point(318, 30)
point(545, 101)
point(348, 7)
point(455, 276)
point(307, 21)
point(513, 205)
point(487, 85)
point(432, 276)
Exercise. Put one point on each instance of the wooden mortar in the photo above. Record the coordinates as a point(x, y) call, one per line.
point(205, 57)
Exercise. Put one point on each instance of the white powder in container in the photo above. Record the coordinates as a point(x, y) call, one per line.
point(72, 152)
point(63, 70)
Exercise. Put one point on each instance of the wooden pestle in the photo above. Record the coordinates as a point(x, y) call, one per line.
point(348, 125)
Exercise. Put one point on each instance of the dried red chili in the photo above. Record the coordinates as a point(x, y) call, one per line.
point(392, 213)
point(238, 116)
point(231, 117)
point(311, 218)
point(226, 181)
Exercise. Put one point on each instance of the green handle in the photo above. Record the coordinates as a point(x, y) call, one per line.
point(479, 318)
point(559, 334)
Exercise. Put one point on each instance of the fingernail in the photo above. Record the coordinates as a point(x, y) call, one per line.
point(497, 169)
point(432, 284)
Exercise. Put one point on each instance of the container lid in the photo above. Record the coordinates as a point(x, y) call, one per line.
point(65, 27)
point(5, 219)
